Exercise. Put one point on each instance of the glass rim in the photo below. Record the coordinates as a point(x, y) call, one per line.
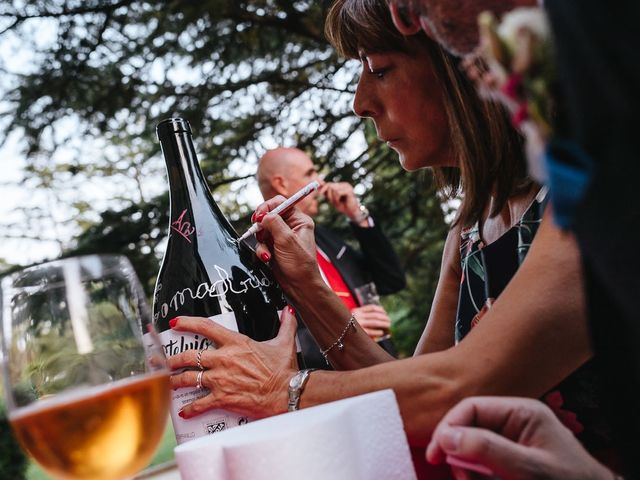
point(98, 265)
point(11, 275)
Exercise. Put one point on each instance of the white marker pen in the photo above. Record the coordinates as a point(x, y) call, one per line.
point(283, 207)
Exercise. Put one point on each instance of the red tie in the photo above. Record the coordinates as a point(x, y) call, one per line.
point(336, 281)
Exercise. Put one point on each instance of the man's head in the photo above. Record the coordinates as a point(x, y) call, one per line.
point(284, 171)
point(452, 23)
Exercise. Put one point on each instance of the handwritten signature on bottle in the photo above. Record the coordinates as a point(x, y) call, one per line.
point(184, 228)
point(218, 289)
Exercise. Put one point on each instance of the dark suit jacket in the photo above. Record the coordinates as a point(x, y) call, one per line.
point(599, 70)
point(376, 262)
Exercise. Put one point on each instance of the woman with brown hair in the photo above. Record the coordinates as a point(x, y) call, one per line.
point(499, 324)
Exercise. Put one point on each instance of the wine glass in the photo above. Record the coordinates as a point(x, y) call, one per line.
point(367, 294)
point(87, 393)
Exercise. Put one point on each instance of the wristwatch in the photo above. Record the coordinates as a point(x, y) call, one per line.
point(296, 386)
point(362, 216)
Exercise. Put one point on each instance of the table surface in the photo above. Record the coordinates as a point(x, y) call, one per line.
point(166, 471)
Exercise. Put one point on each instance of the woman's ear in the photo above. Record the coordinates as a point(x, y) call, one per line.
point(406, 21)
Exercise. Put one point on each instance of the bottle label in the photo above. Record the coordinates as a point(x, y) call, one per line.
point(212, 421)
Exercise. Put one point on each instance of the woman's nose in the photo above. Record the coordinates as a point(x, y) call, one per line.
point(363, 103)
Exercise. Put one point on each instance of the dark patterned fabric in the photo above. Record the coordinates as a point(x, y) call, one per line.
point(486, 271)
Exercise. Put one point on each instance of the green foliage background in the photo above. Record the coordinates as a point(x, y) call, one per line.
point(13, 463)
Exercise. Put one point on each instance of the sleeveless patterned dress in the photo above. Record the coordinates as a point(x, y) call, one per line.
point(486, 271)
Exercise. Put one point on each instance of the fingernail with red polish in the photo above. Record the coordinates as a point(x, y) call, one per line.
point(265, 257)
point(253, 217)
point(292, 310)
point(260, 217)
point(172, 322)
point(181, 414)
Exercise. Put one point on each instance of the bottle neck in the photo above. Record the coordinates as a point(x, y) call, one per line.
point(191, 205)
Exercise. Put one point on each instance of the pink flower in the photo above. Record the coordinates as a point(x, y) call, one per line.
point(569, 419)
point(521, 115)
point(512, 88)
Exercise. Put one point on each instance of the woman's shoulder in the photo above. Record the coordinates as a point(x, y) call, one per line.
point(515, 210)
point(520, 205)
point(451, 251)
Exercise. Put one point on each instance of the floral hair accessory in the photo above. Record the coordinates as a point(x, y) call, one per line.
point(519, 56)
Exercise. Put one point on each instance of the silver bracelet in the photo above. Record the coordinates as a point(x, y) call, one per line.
point(338, 343)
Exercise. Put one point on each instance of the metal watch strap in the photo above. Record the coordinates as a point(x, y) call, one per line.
point(362, 216)
point(296, 387)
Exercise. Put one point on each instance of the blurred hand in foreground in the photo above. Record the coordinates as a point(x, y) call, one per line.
point(514, 438)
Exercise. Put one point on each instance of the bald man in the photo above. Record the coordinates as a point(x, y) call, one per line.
point(284, 171)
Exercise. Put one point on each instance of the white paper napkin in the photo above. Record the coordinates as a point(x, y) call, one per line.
point(353, 439)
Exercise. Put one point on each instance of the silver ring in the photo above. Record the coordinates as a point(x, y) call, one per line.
point(199, 359)
point(199, 379)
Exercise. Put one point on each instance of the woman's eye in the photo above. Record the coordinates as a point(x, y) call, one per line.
point(378, 72)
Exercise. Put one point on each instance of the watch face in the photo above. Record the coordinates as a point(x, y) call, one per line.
point(296, 381)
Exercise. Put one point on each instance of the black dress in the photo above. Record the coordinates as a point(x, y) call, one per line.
point(486, 271)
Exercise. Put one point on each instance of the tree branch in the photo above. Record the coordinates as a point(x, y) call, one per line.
point(15, 23)
point(286, 23)
point(16, 236)
point(70, 12)
point(229, 180)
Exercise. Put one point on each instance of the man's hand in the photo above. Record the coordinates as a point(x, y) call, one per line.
point(373, 319)
point(341, 197)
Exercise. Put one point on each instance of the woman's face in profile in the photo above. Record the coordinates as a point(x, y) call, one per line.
point(403, 97)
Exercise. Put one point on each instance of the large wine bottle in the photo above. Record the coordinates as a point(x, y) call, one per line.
point(206, 272)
